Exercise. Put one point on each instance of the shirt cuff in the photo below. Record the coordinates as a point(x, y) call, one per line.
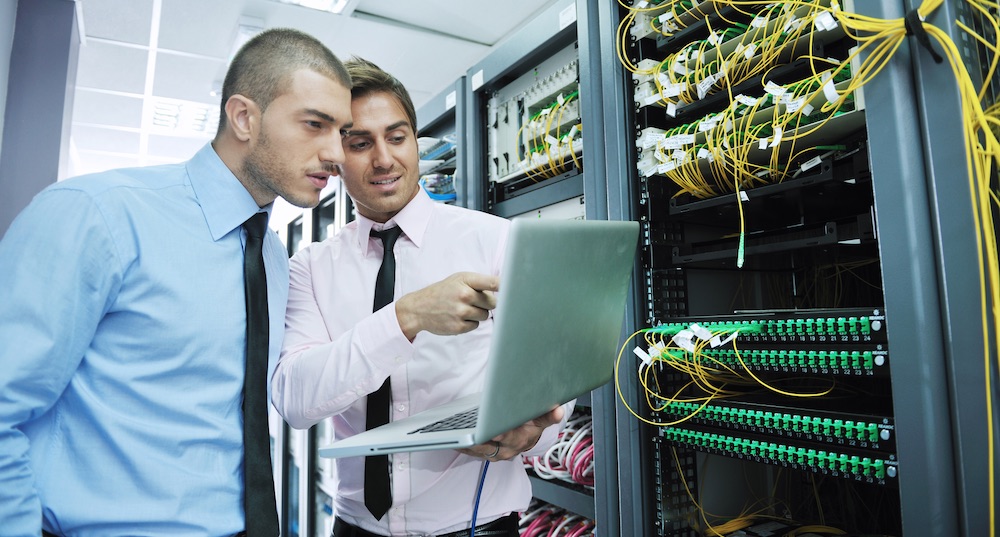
point(383, 340)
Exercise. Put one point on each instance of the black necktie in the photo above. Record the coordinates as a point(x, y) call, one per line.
point(378, 495)
point(258, 490)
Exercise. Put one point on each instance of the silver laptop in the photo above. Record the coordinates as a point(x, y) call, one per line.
point(560, 310)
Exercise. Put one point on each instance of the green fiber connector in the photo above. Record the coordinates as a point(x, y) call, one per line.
point(838, 428)
point(854, 465)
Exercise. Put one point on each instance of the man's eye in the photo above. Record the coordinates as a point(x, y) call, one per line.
point(314, 124)
point(357, 146)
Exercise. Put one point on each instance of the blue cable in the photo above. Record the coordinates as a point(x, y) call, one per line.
point(479, 494)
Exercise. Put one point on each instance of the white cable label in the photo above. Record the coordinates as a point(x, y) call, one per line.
point(683, 340)
point(672, 109)
point(811, 163)
point(700, 332)
point(643, 356)
point(774, 89)
point(777, 136)
point(825, 22)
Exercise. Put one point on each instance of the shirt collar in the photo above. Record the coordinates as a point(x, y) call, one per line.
point(224, 200)
point(412, 219)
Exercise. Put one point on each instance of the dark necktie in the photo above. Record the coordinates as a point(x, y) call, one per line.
point(378, 495)
point(258, 490)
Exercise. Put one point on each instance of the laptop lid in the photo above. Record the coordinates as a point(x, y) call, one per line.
point(560, 310)
point(561, 304)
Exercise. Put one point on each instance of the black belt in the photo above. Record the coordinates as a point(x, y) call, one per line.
point(502, 527)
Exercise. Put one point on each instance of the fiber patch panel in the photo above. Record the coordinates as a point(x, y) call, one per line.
point(815, 327)
point(834, 462)
point(855, 431)
point(819, 362)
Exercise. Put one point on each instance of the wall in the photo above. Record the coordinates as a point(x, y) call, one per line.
point(39, 102)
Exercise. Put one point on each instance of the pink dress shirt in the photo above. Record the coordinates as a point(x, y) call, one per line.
point(336, 352)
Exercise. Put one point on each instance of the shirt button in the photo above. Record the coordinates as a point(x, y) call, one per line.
point(399, 359)
point(401, 407)
point(401, 465)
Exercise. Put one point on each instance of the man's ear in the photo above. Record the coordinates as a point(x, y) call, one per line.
point(243, 117)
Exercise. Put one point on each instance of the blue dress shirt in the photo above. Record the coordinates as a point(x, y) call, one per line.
point(122, 334)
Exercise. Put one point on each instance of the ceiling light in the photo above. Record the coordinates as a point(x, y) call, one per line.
point(174, 116)
point(340, 7)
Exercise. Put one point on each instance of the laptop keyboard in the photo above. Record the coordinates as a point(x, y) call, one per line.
point(462, 420)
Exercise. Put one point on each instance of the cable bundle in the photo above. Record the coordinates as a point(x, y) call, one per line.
point(550, 521)
point(547, 147)
point(571, 458)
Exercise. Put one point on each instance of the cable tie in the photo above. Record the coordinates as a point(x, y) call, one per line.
point(914, 23)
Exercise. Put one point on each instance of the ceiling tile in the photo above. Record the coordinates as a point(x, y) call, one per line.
point(99, 108)
point(176, 147)
point(186, 78)
point(476, 21)
point(112, 67)
point(128, 21)
point(205, 27)
point(87, 138)
point(84, 162)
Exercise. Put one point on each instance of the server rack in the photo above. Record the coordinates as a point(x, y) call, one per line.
point(551, 65)
point(922, 242)
point(303, 480)
point(443, 119)
point(927, 254)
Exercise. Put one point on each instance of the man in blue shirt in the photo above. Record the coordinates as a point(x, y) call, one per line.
point(122, 317)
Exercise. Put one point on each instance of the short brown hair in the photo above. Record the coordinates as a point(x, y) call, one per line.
point(262, 68)
point(368, 78)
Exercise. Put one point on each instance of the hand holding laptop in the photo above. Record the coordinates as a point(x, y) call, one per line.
point(454, 305)
point(516, 441)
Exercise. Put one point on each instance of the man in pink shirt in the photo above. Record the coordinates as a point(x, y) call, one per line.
point(431, 343)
